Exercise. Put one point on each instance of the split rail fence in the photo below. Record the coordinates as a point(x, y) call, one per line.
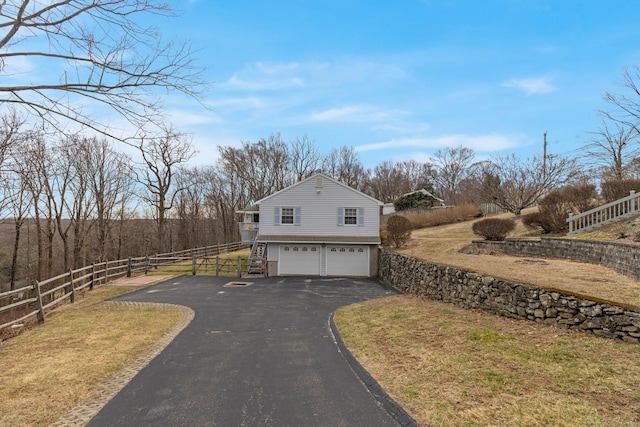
point(35, 300)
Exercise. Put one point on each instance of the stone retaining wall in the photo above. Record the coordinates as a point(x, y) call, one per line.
point(622, 257)
point(521, 301)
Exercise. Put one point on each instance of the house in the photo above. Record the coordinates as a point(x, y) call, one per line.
point(438, 202)
point(317, 227)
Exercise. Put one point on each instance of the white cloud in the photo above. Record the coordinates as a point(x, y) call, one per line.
point(531, 86)
point(491, 142)
point(18, 67)
point(237, 103)
point(187, 118)
point(353, 114)
point(266, 76)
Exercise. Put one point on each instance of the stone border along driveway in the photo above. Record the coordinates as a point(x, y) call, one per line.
point(84, 411)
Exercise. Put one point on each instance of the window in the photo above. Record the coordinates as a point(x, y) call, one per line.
point(287, 216)
point(350, 216)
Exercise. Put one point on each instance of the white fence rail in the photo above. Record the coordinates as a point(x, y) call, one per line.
point(604, 214)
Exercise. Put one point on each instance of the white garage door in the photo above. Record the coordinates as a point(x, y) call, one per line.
point(347, 260)
point(299, 260)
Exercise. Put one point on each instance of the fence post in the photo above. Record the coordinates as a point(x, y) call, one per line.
point(193, 265)
point(239, 266)
point(217, 264)
point(93, 276)
point(73, 291)
point(129, 267)
point(36, 285)
point(106, 272)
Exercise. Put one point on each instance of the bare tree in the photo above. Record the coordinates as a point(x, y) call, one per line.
point(514, 183)
point(19, 203)
point(387, 181)
point(190, 207)
point(627, 105)
point(110, 177)
point(161, 156)
point(449, 167)
point(611, 147)
point(305, 157)
point(343, 164)
point(419, 174)
point(261, 168)
point(35, 158)
point(105, 55)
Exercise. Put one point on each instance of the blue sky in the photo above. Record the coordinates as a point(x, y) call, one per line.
point(401, 79)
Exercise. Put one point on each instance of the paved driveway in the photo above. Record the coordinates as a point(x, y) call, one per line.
point(258, 355)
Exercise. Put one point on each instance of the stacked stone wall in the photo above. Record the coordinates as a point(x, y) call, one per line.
point(622, 257)
point(520, 301)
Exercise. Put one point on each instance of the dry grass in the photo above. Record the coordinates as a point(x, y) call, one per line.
point(49, 369)
point(442, 244)
point(435, 217)
point(452, 367)
point(448, 366)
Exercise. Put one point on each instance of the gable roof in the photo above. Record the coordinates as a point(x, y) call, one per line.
point(378, 202)
point(425, 192)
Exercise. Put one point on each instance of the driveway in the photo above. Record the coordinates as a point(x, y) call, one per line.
point(256, 355)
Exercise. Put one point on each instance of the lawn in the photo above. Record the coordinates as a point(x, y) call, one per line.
point(452, 367)
point(50, 368)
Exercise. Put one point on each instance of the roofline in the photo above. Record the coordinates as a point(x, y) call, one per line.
point(378, 202)
point(425, 192)
point(321, 242)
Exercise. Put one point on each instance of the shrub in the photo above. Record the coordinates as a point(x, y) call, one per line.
point(556, 206)
point(441, 216)
point(398, 230)
point(493, 228)
point(614, 190)
point(415, 200)
point(532, 220)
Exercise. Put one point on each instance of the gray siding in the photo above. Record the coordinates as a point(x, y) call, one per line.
point(318, 211)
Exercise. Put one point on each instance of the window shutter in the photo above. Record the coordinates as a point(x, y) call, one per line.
point(360, 217)
point(340, 217)
point(296, 216)
point(276, 216)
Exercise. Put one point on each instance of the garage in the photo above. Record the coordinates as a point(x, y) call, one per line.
point(344, 260)
point(299, 259)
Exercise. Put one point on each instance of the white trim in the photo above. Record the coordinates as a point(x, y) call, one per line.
point(324, 177)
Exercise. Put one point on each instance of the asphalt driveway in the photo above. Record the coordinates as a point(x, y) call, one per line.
point(257, 355)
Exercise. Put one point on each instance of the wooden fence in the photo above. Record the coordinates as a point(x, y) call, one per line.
point(34, 301)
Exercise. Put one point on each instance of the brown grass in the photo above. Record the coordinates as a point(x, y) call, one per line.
point(440, 216)
point(49, 369)
point(442, 244)
point(452, 367)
